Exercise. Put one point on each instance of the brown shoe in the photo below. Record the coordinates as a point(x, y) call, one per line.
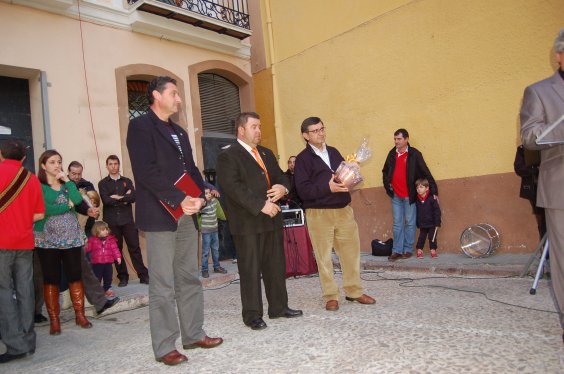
point(332, 305)
point(395, 256)
point(407, 254)
point(206, 342)
point(172, 358)
point(363, 299)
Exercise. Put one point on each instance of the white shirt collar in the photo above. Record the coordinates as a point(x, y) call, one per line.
point(401, 153)
point(247, 147)
point(317, 150)
point(323, 153)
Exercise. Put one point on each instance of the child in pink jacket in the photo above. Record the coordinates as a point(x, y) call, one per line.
point(104, 251)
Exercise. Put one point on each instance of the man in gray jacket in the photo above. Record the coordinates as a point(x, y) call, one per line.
point(543, 105)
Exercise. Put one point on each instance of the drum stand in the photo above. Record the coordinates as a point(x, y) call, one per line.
point(544, 245)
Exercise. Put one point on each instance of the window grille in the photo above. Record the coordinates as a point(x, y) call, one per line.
point(137, 100)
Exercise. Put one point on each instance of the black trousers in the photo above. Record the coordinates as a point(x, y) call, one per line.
point(131, 235)
point(226, 246)
point(93, 291)
point(423, 234)
point(104, 273)
point(51, 260)
point(261, 254)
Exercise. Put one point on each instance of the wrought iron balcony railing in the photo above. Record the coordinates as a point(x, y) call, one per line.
point(231, 12)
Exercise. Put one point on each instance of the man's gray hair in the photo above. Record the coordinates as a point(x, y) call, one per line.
point(559, 42)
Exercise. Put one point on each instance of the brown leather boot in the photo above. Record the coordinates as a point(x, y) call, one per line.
point(51, 296)
point(77, 297)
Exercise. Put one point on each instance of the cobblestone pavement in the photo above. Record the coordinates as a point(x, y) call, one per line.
point(422, 325)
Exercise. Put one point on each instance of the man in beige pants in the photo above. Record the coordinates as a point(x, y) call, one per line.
point(330, 218)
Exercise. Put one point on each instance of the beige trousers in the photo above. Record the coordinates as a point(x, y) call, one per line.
point(336, 228)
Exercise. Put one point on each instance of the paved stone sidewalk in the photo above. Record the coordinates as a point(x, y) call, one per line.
point(415, 327)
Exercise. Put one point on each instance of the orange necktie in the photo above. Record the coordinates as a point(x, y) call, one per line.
point(261, 164)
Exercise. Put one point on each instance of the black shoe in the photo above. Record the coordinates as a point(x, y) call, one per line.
point(395, 256)
point(289, 313)
point(144, 280)
point(257, 324)
point(110, 303)
point(205, 274)
point(122, 283)
point(7, 357)
point(40, 318)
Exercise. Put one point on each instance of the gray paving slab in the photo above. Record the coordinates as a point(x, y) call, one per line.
point(421, 323)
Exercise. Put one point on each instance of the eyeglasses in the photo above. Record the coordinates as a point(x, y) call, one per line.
point(320, 130)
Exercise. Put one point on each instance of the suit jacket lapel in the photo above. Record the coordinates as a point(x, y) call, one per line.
point(247, 157)
point(558, 85)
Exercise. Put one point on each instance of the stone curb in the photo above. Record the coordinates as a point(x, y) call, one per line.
point(452, 269)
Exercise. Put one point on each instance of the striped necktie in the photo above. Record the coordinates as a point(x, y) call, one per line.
point(261, 164)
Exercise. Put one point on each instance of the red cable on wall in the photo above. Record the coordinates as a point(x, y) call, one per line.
point(130, 265)
point(88, 91)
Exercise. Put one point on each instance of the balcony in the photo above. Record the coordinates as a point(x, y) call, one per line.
point(228, 17)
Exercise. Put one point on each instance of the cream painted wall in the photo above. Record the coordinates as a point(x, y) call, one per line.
point(451, 72)
point(39, 40)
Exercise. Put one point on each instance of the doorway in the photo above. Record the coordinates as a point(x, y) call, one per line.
point(15, 115)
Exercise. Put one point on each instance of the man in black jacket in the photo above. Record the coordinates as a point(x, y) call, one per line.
point(75, 170)
point(252, 184)
point(118, 194)
point(160, 154)
point(403, 166)
point(330, 218)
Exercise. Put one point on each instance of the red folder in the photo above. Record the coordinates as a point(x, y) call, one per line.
point(187, 185)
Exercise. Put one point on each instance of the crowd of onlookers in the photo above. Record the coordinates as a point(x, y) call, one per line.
point(62, 254)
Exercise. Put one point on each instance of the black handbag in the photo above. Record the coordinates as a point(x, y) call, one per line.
point(380, 248)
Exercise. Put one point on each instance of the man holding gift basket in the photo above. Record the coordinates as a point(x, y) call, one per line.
point(330, 218)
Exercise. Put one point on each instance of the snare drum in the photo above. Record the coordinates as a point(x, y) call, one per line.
point(480, 240)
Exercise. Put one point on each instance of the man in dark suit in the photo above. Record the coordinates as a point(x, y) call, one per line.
point(160, 153)
point(252, 183)
point(543, 105)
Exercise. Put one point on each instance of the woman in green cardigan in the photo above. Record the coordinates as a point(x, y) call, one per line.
point(59, 238)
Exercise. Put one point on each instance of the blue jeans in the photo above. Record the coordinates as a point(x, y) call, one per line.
point(210, 240)
point(16, 314)
point(404, 225)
